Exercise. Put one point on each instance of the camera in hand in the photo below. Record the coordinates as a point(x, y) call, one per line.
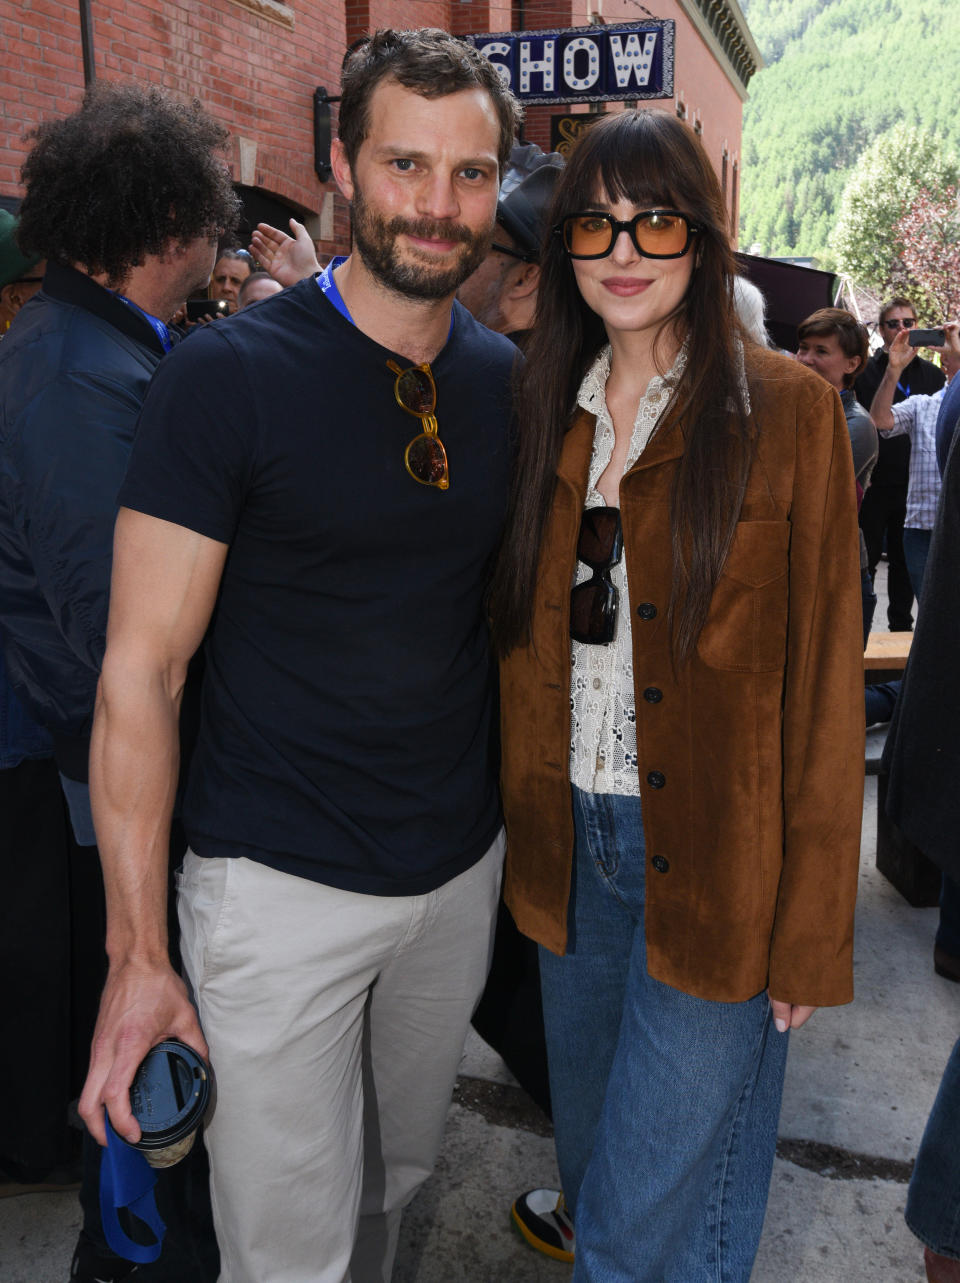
point(926, 338)
point(198, 308)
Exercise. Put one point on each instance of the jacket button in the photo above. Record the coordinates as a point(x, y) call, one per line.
point(661, 863)
point(653, 695)
point(656, 779)
point(647, 610)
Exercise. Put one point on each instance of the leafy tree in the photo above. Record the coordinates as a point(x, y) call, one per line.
point(929, 233)
point(836, 77)
point(884, 183)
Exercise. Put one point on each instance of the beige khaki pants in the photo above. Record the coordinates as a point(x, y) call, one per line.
point(335, 1022)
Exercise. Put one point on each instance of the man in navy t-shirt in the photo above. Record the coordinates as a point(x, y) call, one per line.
point(321, 482)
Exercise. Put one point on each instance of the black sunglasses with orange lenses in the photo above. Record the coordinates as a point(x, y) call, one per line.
point(656, 233)
point(425, 457)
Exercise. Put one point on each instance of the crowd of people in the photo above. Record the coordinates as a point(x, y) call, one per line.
point(470, 627)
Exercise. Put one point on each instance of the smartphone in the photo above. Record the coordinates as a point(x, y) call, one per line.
point(197, 308)
point(925, 338)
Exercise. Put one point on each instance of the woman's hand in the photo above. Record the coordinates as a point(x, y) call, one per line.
point(787, 1016)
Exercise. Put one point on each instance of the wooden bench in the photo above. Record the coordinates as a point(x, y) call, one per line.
point(886, 656)
point(901, 863)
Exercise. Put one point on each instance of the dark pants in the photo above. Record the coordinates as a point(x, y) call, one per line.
point(948, 929)
point(52, 961)
point(509, 1015)
point(868, 599)
point(881, 516)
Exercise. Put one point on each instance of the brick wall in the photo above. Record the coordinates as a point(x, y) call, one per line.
point(254, 74)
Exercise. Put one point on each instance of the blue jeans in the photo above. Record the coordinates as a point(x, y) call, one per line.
point(665, 1105)
point(880, 701)
point(916, 547)
point(933, 1201)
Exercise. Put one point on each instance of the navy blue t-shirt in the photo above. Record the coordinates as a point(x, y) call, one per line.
point(348, 721)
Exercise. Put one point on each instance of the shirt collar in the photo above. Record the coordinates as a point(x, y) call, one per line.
point(592, 393)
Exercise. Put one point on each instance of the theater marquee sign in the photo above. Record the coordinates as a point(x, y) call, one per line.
point(617, 63)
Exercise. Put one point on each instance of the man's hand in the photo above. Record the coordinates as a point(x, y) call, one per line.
point(785, 1014)
point(900, 353)
point(950, 350)
point(142, 1004)
point(288, 259)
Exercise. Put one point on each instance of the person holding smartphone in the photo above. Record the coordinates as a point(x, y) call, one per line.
point(884, 508)
point(916, 419)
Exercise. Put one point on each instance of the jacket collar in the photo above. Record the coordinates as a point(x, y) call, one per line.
point(77, 289)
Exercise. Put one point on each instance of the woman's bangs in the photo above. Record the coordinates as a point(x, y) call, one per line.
point(624, 163)
point(628, 175)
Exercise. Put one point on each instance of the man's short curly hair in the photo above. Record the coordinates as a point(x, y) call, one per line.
point(132, 173)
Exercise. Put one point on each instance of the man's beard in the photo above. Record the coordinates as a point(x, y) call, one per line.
point(376, 243)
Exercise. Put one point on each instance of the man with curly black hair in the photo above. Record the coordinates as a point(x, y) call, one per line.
point(125, 199)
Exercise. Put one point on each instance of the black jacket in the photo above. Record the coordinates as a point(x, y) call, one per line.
point(74, 370)
point(922, 752)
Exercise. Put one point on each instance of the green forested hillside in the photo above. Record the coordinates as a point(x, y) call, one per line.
point(839, 72)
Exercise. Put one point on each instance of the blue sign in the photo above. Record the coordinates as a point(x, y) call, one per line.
point(618, 63)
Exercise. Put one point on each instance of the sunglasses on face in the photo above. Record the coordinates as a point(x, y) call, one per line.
point(525, 256)
point(907, 322)
point(655, 233)
point(416, 392)
point(593, 604)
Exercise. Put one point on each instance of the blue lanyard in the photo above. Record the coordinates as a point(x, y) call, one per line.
point(904, 390)
point(158, 327)
point(328, 286)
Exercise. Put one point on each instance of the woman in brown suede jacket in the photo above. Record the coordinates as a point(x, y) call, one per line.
point(683, 754)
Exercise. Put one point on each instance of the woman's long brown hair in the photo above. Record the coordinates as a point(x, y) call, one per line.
point(650, 159)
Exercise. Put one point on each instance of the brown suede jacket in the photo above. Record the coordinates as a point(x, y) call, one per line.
point(751, 756)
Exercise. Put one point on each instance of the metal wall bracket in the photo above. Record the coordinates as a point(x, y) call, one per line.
point(321, 133)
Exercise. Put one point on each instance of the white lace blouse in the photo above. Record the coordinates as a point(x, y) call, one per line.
point(603, 729)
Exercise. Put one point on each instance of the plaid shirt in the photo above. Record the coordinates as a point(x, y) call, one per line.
point(916, 418)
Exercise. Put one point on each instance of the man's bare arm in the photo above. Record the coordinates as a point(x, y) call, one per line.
point(898, 358)
point(163, 589)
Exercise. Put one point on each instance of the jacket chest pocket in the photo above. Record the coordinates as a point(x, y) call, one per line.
point(746, 629)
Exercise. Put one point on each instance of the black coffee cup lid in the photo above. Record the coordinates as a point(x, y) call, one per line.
point(169, 1094)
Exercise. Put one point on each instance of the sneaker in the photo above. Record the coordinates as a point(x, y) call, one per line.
point(88, 1266)
point(541, 1217)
